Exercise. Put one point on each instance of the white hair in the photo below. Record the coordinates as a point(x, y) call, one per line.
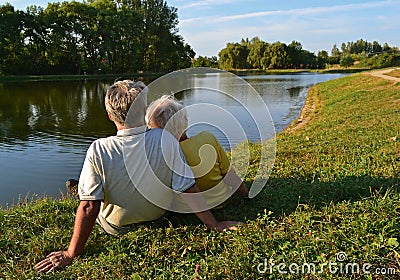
point(166, 112)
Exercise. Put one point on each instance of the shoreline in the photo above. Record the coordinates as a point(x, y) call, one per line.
point(28, 78)
point(313, 103)
point(309, 108)
point(334, 189)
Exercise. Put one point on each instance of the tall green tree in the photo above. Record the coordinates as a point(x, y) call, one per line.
point(12, 49)
point(204, 61)
point(158, 34)
point(294, 50)
point(36, 41)
point(322, 58)
point(234, 56)
point(346, 61)
point(257, 49)
point(376, 47)
point(118, 28)
point(278, 56)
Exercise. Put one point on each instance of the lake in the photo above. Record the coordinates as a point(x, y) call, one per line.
point(46, 126)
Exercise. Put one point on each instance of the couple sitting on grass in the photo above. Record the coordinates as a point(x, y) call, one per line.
point(127, 179)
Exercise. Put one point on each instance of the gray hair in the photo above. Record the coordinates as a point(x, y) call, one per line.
point(120, 97)
point(166, 112)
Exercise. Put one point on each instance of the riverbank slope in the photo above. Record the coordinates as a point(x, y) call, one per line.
point(332, 199)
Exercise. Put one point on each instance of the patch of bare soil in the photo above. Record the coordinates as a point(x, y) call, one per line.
point(310, 106)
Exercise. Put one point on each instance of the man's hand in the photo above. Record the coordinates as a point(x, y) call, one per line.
point(55, 260)
point(84, 221)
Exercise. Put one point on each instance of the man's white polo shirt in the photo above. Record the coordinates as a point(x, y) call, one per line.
point(115, 166)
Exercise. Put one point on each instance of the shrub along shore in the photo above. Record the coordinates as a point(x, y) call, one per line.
point(330, 209)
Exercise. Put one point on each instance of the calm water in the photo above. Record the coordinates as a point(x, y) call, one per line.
point(46, 127)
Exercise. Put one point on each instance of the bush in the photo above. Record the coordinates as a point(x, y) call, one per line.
point(346, 61)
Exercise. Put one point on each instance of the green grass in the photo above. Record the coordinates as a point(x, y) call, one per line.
point(334, 188)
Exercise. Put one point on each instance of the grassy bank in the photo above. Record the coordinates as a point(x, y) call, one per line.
point(333, 194)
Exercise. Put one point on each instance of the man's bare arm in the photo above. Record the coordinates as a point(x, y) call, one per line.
point(85, 219)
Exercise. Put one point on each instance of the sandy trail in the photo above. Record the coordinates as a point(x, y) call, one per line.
point(382, 74)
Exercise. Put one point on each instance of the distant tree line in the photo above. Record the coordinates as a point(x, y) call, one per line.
point(96, 36)
point(257, 54)
point(205, 61)
point(366, 54)
point(128, 36)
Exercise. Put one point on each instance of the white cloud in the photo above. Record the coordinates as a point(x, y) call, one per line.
point(316, 28)
point(292, 12)
point(207, 3)
point(210, 42)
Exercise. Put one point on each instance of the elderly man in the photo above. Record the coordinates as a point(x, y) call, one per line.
point(117, 167)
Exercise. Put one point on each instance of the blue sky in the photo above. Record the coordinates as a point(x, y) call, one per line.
point(208, 25)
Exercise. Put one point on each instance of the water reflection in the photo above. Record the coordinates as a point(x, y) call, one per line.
point(48, 111)
point(46, 127)
point(234, 115)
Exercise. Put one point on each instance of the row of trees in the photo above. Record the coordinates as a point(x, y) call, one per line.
point(257, 54)
point(366, 54)
point(125, 36)
point(361, 46)
point(96, 36)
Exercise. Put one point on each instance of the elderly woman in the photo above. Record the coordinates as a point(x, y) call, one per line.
point(203, 152)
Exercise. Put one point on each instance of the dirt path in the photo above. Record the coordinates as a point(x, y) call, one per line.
point(381, 74)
